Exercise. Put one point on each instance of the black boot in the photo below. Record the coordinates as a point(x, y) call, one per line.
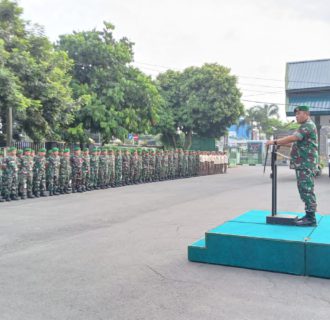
point(8, 198)
point(30, 195)
point(308, 220)
point(44, 194)
point(2, 199)
point(14, 197)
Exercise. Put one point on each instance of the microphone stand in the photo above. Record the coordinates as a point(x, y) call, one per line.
point(274, 218)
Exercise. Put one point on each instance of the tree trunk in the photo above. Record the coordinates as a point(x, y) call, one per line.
point(173, 141)
point(10, 127)
point(188, 140)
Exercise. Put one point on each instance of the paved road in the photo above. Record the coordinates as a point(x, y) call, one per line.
point(122, 254)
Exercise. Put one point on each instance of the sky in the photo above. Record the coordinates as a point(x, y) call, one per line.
point(254, 38)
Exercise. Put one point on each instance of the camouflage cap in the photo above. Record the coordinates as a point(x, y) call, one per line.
point(301, 108)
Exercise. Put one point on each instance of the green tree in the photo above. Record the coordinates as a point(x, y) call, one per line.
point(202, 100)
point(265, 116)
point(34, 77)
point(118, 98)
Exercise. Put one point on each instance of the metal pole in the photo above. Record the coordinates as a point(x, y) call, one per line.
point(274, 181)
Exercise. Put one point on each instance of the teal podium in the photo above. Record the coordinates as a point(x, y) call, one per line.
point(249, 242)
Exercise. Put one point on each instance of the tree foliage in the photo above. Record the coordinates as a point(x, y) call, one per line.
point(266, 119)
point(34, 77)
point(117, 98)
point(202, 100)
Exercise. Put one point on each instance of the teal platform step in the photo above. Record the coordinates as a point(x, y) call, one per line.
point(248, 242)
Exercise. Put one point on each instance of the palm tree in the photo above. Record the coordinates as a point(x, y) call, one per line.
point(262, 114)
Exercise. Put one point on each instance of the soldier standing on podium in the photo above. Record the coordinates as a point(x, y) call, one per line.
point(304, 159)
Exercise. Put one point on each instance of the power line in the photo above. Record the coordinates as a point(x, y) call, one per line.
point(264, 93)
point(290, 104)
point(296, 81)
point(259, 85)
point(243, 76)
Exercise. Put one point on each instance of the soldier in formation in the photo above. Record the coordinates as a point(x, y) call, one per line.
point(61, 172)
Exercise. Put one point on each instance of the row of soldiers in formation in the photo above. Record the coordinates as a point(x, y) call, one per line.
point(26, 175)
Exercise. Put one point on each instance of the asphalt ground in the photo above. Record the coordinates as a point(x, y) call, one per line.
point(122, 254)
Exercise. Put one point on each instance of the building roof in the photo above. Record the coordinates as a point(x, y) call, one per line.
point(308, 83)
point(318, 102)
point(303, 75)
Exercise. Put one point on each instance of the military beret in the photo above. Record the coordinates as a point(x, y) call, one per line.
point(11, 149)
point(42, 150)
point(55, 149)
point(19, 151)
point(301, 108)
point(77, 149)
point(27, 149)
point(85, 149)
point(66, 150)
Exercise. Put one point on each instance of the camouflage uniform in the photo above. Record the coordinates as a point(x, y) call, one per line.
point(134, 167)
point(76, 167)
point(94, 165)
point(126, 168)
point(118, 169)
point(158, 166)
point(53, 172)
point(9, 176)
point(1, 187)
point(26, 175)
point(197, 162)
point(145, 166)
point(176, 164)
point(102, 168)
point(180, 164)
point(140, 166)
point(86, 169)
point(21, 174)
point(152, 160)
point(190, 163)
point(65, 172)
point(164, 172)
point(304, 158)
point(171, 169)
point(39, 174)
point(111, 165)
point(185, 164)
